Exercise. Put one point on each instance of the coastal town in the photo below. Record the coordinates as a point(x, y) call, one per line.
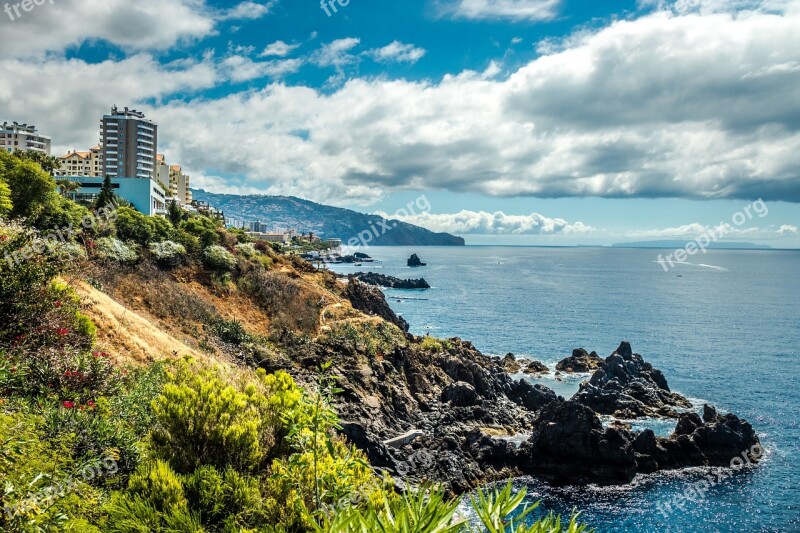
point(127, 155)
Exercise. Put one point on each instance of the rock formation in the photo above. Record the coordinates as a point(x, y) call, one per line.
point(580, 361)
point(414, 261)
point(381, 280)
point(626, 386)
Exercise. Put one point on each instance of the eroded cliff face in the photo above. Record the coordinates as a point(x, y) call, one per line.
point(421, 408)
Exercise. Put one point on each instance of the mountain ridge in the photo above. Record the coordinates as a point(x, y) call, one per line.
point(290, 212)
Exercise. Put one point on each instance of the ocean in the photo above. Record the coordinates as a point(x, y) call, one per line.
point(724, 330)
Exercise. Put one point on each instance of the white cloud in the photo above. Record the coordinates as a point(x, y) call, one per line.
point(279, 49)
point(529, 10)
point(789, 230)
point(247, 11)
point(659, 106)
point(337, 53)
point(498, 223)
point(398, 52)
point(237, 68)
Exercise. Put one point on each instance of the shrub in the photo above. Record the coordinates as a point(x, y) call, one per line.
point(219, 259)
point(113, 249)
point(203, 228)
point(67, 252)
point(134, 226)
point(168, 253)
point(247, 250)
point(207, 418)
point(230, 331)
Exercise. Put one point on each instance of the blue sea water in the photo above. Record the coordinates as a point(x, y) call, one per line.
point(723, 330)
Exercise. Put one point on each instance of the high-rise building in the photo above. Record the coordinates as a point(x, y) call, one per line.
point(15, 136)
point(82, 163)
point(129, 143)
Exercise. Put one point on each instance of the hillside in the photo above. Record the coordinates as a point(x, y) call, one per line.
point(283, 212)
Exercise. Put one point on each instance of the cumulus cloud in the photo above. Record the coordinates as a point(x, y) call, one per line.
point(279, 49)
point(247, 11)
point(527, 10)
point(398, 52)
point(140, 25)
point(498, 223)
point(238, 68)
point(696, 105)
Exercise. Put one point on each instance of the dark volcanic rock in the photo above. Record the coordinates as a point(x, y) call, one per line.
point(510, 364)
point(414, 261)
point(714, 440)
point(579, 361)
point(460, 394)
point(569, 445)
point(370, 300)
point(535, 367)
point(627, 386)
point(380, 280)
point(532, 397)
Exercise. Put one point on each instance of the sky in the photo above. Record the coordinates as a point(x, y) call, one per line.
point(551, 122)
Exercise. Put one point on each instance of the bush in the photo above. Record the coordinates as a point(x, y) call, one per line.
point(207, 418)
point(134, 226)
point(67, 252)
point(203, 228)
point(113, 249)
point(168, 253)
point(247, 250)
point(219, 259)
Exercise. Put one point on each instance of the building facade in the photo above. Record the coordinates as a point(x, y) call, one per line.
point(15, 136)
point(179, 185)
point(129, 144)
point(89, 164)
point(145, 195)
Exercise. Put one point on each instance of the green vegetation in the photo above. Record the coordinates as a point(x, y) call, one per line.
point(87, 445)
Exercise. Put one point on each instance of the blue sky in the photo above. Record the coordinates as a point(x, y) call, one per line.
point(535, 121)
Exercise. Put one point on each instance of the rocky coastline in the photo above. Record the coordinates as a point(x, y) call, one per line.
point(449, 415)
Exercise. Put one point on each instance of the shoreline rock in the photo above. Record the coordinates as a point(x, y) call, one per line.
point(381, 280)
point(414, 261)
point(626, 386)
point(580, 361)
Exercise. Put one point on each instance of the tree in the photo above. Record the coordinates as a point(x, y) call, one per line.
point(175, 213)
point(107, 195)
point(31, 187)
point(5, 198)
point(48, 163)
point(67, 186)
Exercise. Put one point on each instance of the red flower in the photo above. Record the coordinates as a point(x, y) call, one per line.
point(62, 331)
point(90, 403)
point(69, 405)
point(95, 354)
point(58, 303)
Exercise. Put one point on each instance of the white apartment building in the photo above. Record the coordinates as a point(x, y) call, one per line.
point(15, 136)
point(129, 143)
point(75, 163)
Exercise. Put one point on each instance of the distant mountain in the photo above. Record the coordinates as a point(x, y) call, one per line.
point(677, 244)
point(282, 212)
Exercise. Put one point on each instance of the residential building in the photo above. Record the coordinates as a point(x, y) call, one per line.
point(161, 171)
point(258, 227)
point(15, 136)
point(282, 238)
point(75, 163)
point(145, 195)
point(179, 185)
point(129, 143)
